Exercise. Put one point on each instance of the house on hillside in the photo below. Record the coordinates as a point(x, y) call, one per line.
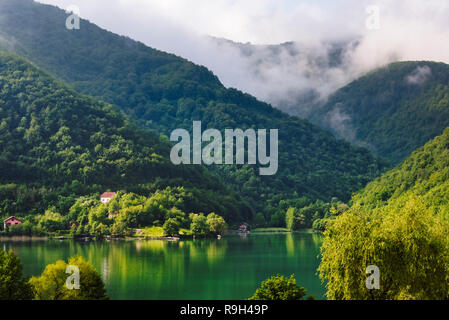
point(107, 196)
point(11, 221)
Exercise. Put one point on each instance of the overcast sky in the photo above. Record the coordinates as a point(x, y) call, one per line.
point(257, 21)
point(407, 30)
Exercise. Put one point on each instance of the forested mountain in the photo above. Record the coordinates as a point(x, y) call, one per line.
point(424, 175)
point(400, 224)
point(164, 92)
point(393, 110)
point(56, 145)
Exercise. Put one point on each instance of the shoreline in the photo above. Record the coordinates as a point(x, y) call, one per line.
point(170, 239)
point(24, 238)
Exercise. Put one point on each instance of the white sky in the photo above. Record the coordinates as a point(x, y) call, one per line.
point(259, 21)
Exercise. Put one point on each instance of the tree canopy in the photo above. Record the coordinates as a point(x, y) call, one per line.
point(279, 288)
point(51, 285)
point(13, 285)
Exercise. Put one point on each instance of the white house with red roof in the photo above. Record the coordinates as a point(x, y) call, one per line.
point(107, 196)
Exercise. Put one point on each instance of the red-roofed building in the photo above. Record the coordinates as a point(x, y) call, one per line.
point(11, 221)
point(107, 196)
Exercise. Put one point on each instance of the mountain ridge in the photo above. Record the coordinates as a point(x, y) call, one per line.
point(391, 110)
point(163, 92)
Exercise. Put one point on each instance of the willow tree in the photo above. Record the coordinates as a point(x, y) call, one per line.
point(52, 284)
point(408, 242)
point(13, 285)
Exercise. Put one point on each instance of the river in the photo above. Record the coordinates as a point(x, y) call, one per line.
point(211, 269)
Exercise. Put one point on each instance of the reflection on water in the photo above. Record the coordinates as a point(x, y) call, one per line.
point(230, 268)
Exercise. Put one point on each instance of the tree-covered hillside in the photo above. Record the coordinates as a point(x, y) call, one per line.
point(164, 92)
point(399, 224)
point(56, 144)
point(393, 110)
point(425, 174)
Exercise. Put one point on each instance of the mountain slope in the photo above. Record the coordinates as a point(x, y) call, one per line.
point(165, 92)
point(400, 224)
point(424, 175)
point(393, 110)
point(56, 143)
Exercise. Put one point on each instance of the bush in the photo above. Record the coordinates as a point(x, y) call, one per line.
point(279, 288)
point(171, 227)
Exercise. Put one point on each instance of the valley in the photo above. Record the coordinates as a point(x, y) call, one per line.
point(193, 189)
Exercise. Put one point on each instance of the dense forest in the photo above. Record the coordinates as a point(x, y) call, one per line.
point(393, 110)
point(57, 145)
point(164, 92)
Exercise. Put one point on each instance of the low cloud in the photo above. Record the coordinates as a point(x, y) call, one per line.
point(341, 124)
point(419, 76)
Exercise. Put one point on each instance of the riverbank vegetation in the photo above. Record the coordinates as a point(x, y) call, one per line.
point(127, 214)
point(51, 285)
point(303, 213)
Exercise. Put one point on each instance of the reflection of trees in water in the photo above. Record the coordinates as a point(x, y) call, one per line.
point(154, 263)
point(157, 269)
point(317, 239)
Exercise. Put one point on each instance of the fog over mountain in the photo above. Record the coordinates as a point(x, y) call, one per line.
point(293, 76)
point(322, 45)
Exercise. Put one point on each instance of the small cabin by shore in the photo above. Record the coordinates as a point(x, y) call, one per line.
point(11, 221)
point(244, 227)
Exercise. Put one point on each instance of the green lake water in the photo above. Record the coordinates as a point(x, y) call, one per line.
point(230, 268)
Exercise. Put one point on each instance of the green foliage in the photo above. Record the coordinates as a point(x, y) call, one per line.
point(51, 285)
point(13, 286)
point(51, 221)
point(171, 227)
point(409, 245)
point(303, 213)
point(155, 232)
point(217, 225)
point(164, 92)
point(60, 145)
point(259, 220)
point(129, 211)
point(387, 113)
point(322, 224)
point(290, 218)
point(424, 174)
point(279, 288)
point(199, 225)
point(399, 223)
